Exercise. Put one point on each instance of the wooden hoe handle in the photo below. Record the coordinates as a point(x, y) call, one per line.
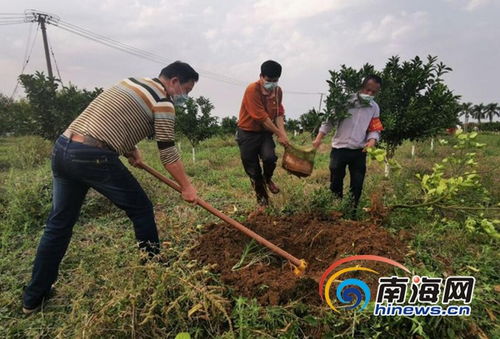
point(299, 264)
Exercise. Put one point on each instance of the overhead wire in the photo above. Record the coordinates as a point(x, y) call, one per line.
point(55, 61)
point(27, 57)
point(137, 51)
point(149, 55)
point(17, 18)
point(5, 23)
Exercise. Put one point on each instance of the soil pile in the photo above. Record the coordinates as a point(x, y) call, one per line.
point(270, 279)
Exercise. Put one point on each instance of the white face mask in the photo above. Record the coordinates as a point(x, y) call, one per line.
point(366, 97)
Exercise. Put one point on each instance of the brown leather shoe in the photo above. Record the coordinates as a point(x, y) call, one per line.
point(272, 187)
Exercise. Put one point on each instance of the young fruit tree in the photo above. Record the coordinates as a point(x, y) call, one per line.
point(54, 108)
point(193, 120)
point(228, 125)
point(311, 121)
point(415, 103)
point(292, 125)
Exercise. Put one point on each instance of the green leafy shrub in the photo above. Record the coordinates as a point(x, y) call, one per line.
point(28, 152)
point(26, 200)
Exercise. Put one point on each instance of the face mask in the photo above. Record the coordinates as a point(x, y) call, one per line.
point(179, 99)
point(270, 85)
point(366, 97)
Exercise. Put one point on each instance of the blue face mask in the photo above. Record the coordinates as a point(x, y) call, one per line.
point(179, 99)
point(270, 85)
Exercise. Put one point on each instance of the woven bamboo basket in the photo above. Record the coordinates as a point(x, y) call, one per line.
point(298, 161)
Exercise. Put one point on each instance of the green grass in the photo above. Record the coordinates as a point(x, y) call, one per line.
point(104, 291)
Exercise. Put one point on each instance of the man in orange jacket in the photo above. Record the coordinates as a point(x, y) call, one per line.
point(262, 115)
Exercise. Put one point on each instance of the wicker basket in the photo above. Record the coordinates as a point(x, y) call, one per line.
point(298, 161)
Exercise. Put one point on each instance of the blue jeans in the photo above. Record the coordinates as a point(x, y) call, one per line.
point(76, 168)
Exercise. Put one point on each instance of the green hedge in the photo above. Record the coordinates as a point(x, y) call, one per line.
point(485, 126)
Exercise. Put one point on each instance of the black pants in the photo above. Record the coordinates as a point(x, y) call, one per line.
point(256, 146)
point(356, 160)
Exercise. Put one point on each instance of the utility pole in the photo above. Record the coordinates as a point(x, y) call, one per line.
point(320, 102)
point(41, 20)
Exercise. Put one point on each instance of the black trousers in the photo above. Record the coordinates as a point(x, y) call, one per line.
point(256, 147)
point(355, 159)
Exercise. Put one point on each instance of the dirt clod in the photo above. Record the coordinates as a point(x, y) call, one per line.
point(319, 242)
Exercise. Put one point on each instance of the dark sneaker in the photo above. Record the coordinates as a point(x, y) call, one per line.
point(272, 187)
point(29, 311)
point(261, 193)
point(33, 309)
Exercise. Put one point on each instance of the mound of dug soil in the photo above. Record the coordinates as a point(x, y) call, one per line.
point(319, 242)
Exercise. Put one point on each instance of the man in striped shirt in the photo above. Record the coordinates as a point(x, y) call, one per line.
point(87, 156)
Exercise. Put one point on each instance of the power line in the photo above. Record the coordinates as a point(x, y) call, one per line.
point(137, 52)
point(26, 58)
point(34, 15)
point(2, 23)
point(85, 33)
point(140, 52)
point(55, 62)
point(28, 41)
point(12, 14)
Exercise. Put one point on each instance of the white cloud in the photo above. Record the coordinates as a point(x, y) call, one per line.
point(395, 30)
point(210, 34)
point(232, 38)
point(471, 5)
point(270, 10)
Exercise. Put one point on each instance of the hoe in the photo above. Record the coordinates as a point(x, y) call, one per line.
point(299, 265)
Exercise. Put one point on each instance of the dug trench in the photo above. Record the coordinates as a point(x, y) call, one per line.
point(252, 271)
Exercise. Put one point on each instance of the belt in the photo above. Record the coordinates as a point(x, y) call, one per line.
point(86, 140)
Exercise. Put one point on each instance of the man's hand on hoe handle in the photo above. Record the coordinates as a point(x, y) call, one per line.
point(135, 158)
point(189, 194)
point(184, 186)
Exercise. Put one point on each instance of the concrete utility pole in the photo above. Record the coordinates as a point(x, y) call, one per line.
point(41, 20)
point(320, 102)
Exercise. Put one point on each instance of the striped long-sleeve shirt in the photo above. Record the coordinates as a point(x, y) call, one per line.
point(128, 112)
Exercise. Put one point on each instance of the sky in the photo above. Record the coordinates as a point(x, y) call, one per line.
point(224, 39)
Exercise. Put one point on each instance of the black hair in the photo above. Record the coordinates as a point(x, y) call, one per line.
point(271, 69)
point(180, 70)
point(373, 77)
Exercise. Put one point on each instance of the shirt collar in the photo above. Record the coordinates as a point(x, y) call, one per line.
point(164, 88)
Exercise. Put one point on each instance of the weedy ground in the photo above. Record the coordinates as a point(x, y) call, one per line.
point(104, 290)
